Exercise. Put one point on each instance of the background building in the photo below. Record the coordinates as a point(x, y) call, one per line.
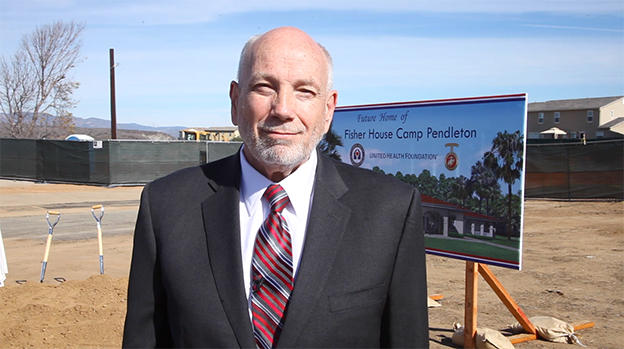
point(214, 134)
point(592, 118)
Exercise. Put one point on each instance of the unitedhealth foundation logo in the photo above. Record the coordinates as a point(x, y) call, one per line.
point(357, 155)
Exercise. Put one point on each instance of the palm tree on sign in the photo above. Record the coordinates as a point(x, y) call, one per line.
point(329, 144)
point(505, 160)
point(484, 181)
point(462, 188)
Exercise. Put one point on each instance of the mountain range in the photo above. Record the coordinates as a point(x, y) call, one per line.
point(101, 123)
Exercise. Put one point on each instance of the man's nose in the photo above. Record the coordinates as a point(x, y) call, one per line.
point(284, 105)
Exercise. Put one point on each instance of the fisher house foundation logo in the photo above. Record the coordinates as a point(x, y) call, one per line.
point(357, 154)
point(451, 160)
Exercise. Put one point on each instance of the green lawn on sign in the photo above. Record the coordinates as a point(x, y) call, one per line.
point(476, 248)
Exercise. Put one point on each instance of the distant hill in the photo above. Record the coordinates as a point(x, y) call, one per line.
point(100, 133)
point(105, 133)
point(101, 123)
point(100, 129)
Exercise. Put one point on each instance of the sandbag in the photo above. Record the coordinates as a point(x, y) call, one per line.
point(491, 339)
point(551, 329)
point(485, 338)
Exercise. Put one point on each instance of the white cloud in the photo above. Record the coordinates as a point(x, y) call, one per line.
point(576, 28)
point(195, 11)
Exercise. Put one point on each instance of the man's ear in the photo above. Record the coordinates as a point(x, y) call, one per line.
point(234, 93)
point(330, 107)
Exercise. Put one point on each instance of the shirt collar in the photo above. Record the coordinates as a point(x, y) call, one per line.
point(298, 185)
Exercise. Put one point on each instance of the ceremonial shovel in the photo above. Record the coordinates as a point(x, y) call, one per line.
point(99, 233)
point(49, 242)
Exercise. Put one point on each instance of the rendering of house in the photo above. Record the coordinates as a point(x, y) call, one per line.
point(441, 217)
point(583, 118)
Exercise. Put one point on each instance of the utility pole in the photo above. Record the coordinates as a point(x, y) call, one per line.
point(112, 95)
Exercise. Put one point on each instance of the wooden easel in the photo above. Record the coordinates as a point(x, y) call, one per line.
point(473, 270)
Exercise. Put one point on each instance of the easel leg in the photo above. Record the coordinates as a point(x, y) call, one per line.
point(505, 297)
point(470, 304)
point(470, 308)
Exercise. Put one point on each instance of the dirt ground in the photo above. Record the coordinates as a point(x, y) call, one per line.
point(573, 269)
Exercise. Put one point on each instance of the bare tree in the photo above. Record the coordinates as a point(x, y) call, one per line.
point(35, 87)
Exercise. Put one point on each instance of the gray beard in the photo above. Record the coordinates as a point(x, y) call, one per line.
point(279, 152)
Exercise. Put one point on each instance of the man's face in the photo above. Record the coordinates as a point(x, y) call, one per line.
point(281, 104)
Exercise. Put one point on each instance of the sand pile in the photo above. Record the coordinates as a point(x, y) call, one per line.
point(72, 314)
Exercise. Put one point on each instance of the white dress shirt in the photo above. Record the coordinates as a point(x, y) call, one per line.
point(299, 186)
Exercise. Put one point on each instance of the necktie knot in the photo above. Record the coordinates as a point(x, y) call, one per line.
point(277, 197)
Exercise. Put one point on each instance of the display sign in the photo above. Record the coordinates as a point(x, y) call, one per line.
point(466, 158)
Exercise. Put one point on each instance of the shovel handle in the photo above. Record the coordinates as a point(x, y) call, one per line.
point(96, 207)
point(99, 229)
point(99, 233)
point(47, 248)
point(50, 224)
point(46, 254)
point(44, 263)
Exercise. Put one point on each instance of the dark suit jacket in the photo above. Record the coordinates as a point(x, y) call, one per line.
point(361, 280)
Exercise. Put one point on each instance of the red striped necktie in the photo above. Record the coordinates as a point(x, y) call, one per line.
point(272, 271)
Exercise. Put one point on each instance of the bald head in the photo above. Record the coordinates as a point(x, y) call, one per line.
point(289, 38)
point(283, 103)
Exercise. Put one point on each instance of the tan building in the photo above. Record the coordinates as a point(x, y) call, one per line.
point(592, 118)
point(222, 134)
point(214, 134)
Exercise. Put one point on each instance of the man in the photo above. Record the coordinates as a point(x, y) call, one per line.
point(340, 263)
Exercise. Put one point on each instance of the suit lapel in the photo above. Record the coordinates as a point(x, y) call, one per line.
point(222, 226)
point(328, 221)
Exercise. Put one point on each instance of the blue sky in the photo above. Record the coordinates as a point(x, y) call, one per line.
point(177, 58)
